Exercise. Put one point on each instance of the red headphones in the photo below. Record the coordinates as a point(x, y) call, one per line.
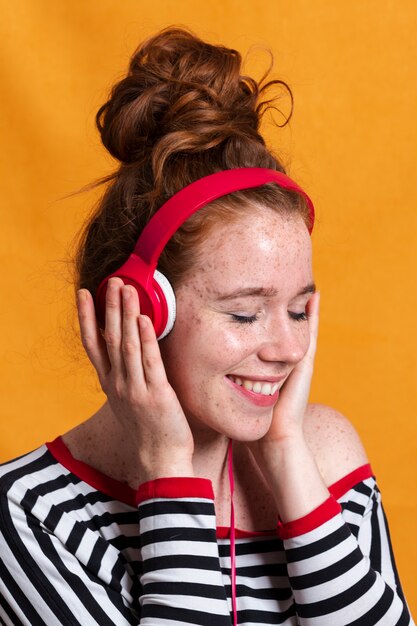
point(156, 296)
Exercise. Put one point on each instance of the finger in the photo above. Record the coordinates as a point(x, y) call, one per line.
point(131, 345)
point(153, 366)
point(295, 392)
point(313, 309)
point(91, 338)
point(113, 328)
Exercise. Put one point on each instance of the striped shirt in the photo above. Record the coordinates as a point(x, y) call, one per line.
point(78, 548)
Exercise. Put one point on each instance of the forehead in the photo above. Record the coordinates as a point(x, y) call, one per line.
point(263, 248)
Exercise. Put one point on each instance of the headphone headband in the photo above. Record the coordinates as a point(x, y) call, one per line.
point(175, 211)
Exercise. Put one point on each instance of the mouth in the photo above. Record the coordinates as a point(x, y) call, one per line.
point(262, 393)
point(264, 388)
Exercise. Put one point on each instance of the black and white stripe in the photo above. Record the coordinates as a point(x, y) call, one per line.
point(71, 555)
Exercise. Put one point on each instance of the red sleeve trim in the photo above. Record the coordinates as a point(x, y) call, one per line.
point(323, 513)
point(107, 485)
point(342, 486)
point(329, 508)
point(175, 487)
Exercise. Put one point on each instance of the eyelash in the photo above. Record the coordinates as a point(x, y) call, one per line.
point(242, 319)
point(298, 317)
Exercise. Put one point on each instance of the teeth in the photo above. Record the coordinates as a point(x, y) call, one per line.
point(265, 389)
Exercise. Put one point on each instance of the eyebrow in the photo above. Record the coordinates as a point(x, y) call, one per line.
point(262, 291)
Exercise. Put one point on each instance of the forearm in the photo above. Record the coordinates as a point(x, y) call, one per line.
point(334, 560)
point(154, 466)
point(333, 579)
point(293, 476)
point(335, 584)
point(181, 578)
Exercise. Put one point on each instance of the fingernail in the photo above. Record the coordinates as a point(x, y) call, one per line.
point(81, 295)
point(143, 320)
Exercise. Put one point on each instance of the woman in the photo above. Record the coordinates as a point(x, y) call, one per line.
point(115, 522)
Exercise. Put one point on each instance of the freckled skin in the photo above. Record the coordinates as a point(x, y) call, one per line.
point(261, 250)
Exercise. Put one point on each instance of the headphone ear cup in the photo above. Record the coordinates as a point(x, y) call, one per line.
point(169, 294)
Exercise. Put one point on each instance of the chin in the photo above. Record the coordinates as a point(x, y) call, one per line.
point(245, 429)
point(251, 430)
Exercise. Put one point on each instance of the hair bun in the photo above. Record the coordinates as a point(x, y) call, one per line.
point(181, 95)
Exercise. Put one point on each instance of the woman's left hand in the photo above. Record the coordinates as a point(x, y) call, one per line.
point(283, 455)
point(289, 411)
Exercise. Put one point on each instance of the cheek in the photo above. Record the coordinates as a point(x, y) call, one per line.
point(216, 345)
point(199, 349)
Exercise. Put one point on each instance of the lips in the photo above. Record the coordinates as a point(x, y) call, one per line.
point(247, 388)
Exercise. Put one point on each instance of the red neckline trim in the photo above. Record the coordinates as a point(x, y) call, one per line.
point(223, 532)
point(122, 492)
point(111, 487)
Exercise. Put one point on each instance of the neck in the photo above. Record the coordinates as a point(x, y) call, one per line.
point(102, 443)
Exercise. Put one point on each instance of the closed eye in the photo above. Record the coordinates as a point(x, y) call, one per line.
point(244, 319)
point(298, 317)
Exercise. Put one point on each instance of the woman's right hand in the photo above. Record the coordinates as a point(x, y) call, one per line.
point(132, 375)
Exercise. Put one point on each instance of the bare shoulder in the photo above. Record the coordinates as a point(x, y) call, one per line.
point(334, 442)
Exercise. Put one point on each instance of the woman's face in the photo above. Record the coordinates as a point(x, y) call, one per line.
point(241, 325)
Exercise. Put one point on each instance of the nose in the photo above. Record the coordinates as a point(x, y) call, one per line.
point(284, 340)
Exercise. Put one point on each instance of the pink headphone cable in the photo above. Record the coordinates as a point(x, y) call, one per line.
point(232, 533)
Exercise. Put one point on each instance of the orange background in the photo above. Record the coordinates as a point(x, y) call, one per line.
point(352, 145)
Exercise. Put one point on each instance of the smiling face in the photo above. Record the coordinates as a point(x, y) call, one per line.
point(241, 325)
